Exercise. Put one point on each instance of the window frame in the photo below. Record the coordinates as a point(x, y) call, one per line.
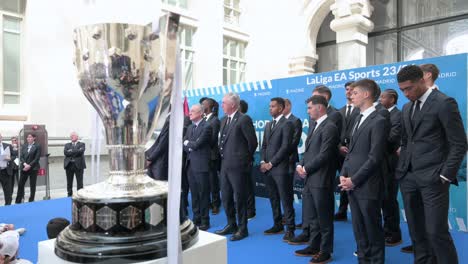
point(233, 14)
point(240, 61)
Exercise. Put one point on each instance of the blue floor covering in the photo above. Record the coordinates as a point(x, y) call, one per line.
point(257, 248)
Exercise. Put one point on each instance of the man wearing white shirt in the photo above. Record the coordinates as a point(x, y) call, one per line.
point(6, 172)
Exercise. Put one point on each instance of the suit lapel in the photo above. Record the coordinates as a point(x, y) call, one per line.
point(356, 134)
point(423, 110)
point(279, 123)
point(233, 122)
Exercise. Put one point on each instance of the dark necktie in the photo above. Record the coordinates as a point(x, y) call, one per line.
point(228, 121)
point(416, 110)
point(348, 111)
point(273, 124)
point(356, 126)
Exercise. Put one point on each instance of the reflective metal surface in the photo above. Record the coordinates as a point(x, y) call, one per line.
point(126, 72)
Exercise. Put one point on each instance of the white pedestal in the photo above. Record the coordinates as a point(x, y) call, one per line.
point(210, 249)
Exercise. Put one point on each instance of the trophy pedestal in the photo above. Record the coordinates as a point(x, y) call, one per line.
point(208, 244)
point(124, 229)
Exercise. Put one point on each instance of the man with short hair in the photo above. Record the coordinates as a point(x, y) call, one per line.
point(197, 145)
point(237, 144)
point(6, 170)
point(390, 208)
point(361, 175)
point(319, 169)
point(29, 162)
point(432, 150)
point(213, 121)
point(431, 73)
point(74, 162)
point(274, 164)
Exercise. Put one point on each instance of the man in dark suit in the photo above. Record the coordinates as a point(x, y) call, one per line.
point(13, 162)
point(197, 145)
point(29, 164)
point(237, 145)
point(361, 174)
point(74, 162)
point(6, 170)
point(433, 147)
point(349, 114)
point(319, 169)
point(390, 208)
point(213, 121)
point(332, 113)
point(157, 155)
point(274, 164)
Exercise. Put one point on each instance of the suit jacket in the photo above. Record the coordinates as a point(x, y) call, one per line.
point(334, 116)
point(276, 145)
point(158, 153)
point(297, 134)
point(347, 126)
point(75, 154)
point(240, 142)
point(366, 153)
point(215, 124)
point(436, 144)
point(10, 163)
point(394, 138)
point(198, 148)
point(320, 153)
point(32, 157)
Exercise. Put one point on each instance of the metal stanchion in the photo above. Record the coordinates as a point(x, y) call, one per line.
point(47, 181)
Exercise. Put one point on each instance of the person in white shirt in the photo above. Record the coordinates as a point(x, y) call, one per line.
point(6, 172)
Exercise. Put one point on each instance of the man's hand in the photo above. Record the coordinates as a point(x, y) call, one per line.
point(301, 171)
point(262, 167)
point(346, 184)
point(268, 166)
point(148, 163)
point(344, 150)
point(26, 167)
point(398, 151)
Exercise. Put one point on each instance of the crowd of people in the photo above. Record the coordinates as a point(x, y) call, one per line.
point(367, 150)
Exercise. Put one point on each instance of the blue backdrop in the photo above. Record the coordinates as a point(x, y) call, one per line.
point(452, 81)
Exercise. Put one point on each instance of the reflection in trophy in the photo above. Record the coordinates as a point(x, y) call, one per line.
point(126, 72)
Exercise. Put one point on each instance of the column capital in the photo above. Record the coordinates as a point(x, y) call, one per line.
point(301, 65)
point(352, 20)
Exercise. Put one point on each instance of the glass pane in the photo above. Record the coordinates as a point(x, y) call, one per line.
point(188, 75)
point(233, 65)
point(437, 40)
point(11, 23)
point(188, 37)
point(232, 77)
point(11, 61)
point(183, 3)
point(241, 50)
point(327, 58)
point(225, 63)
point(172, 2)
point(11, 99)
point(325, 33)
point(384, 15)
point(416, 11)
point(236, 4)
point(16, 6)
point(227, 2)
point(225, 77)
point(225, 46)
point(382, 49)
point(233, 48)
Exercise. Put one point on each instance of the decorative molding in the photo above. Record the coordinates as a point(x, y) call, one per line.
point(13, 118)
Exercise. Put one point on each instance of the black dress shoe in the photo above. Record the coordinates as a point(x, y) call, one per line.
point(288, 236)
point(299, 226)
point(301, 239)
point(238, 236)
point(408, 249)
point(341, 217)
point(307, 252)
point(392, 241)
point(228, 229)
point(215, 210)
point(204, 227)
point(321, 258)
point(276, 229)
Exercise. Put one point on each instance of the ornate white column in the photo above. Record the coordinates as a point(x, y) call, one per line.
point(302, 64)
point(351, 24)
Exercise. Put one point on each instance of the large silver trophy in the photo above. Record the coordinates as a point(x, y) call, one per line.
point(127, 73)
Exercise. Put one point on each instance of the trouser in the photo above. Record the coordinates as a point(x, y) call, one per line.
point(25, 175)
point(7, 181)
point(73, 170)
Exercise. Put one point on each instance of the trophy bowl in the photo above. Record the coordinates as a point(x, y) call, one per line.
point(127, 73)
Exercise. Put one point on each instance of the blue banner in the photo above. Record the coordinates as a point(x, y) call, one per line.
point(452, 81)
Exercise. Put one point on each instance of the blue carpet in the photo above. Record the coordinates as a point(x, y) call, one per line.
point(257, 248)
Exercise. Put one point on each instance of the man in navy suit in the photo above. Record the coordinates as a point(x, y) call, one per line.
point(74, 162)
point(237, 145)
point(197, 145)
point(390, 208)
point(318, 167)
point(274, 164)
point(213, 121)
point(29, 164)
point(361, 174)
point(433, 147)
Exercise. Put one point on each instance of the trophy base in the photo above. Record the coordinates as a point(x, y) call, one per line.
point(83, 247)
point(124, 229)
